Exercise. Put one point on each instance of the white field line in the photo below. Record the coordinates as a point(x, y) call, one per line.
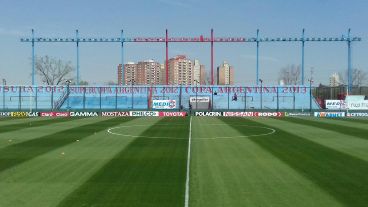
point(186, 204)
point(110, 131)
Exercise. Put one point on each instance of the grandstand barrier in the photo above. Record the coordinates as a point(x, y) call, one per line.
point(174, 98)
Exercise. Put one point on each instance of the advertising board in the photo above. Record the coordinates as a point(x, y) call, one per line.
point(208, 113)
point(297, 114)
point(164, 104)
point(357, 114)
point(268, 114)
point(200, 99)
point(4, 114)
point(24, 114)
point(144, 113)
point(115, 113)
point(54, 114)
point(83, 114)
point(164, 113)
point(357, 105)
point(240, 114)
point(335, 104)
point(329, 114)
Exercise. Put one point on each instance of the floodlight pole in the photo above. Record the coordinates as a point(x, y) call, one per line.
point(257, 64)
point(212, 40)
point(77, 41)
point(350, 76)
point(33, 58)
point(122, 57)
point(167, 57)
point(303, 42)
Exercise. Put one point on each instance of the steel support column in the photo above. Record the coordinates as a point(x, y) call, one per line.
point(303, 42)
point(212, 81)
point(167, 57)
point(257, 64)
point(350, 75)
point(77, 38)
point(33, 59)
point(122, 58)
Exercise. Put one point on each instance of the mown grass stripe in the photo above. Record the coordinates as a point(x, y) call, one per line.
point(32, 123)
point(10, 118)
point(17, 120)
point(18, 153)
point(357, 120)
point(341, 175)
point(351, 131)
point(148, 172)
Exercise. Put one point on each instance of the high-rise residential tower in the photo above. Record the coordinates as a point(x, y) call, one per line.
point(181, 71)
point(225, 74)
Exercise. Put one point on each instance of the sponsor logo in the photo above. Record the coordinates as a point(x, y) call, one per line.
point(24, 114)
point(116, 113)
point(208, 114)
point(83, 114)
point(250, 114)
point(144, 113)
point(238, 114)
point(164, 104)
point(352, 104)
point(335, 104)
point(163, 113)
point(62, 114)
point(4, 114)
point(54, 114)
point(356, 114)
point(297, 114)
point(358, 105)
point(329, 114)
point(200, 99)
point(268, 114)
point(47, 114)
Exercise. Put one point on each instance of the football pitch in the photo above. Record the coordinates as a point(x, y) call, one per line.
point(183, 161)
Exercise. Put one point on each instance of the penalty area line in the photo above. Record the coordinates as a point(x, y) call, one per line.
point(186, 204)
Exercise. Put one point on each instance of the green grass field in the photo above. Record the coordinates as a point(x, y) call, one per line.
point(143, 162)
